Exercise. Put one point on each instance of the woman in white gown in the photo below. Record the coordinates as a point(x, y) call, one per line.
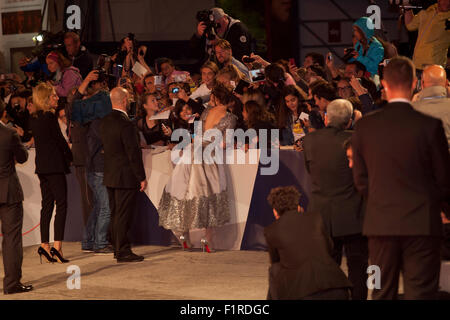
point(196, 195)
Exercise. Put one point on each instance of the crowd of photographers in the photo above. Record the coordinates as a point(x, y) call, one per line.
point(264, 94)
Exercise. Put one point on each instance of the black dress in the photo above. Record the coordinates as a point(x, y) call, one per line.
point(154, 134)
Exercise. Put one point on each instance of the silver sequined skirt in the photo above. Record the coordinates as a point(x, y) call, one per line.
point(195, 197)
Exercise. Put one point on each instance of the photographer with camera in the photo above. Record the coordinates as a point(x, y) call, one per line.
point(18, 113)
point(91, 96)
point(434, 34)
point(216, 24)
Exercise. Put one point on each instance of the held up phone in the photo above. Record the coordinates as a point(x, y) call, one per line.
point(292, 61)
point(330, 57)
point(248, 60)
point(180, 78)
point(240, 87)
point(158, 80)
point(175, 90)
point(257, 75)
point(122, 82)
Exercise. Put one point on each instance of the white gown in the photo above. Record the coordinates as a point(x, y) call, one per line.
point(196, 194)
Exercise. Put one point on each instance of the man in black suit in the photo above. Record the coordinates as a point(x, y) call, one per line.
point(401, 164)
point(334, 195)
point(124, 173)
point(11, 210)
point(300, 253)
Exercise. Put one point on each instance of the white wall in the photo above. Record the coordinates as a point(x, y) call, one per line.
point(15, 41)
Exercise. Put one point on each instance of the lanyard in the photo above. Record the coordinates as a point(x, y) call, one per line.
point(434, 97)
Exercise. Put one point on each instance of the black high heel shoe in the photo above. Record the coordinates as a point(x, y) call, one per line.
point(42, 251)
point(59, 257)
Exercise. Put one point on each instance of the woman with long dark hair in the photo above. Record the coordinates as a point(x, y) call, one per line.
point(258, 118)
point(154, 131)
point(288, 118)
point(53, 158)
point(196, 195)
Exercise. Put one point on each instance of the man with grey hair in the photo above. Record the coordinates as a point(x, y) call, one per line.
point(334, 195)
point(232, 30)
point(433, 100)
point(339, 114)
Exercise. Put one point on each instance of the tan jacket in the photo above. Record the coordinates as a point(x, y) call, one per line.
point(433, 101)
point(433, 40)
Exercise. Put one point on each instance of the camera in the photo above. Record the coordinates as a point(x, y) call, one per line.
point(248, 60)
point(207, 17)
point(348, 54)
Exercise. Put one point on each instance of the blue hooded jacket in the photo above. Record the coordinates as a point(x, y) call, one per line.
point(375, 52)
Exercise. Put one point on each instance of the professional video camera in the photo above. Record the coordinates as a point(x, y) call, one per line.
point(207, 17)
point(348, 54)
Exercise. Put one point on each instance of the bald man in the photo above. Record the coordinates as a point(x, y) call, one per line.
point(433, 100)
point(124, 174)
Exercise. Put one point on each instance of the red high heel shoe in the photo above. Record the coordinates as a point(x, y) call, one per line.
point(205, 246)
point(184, 244)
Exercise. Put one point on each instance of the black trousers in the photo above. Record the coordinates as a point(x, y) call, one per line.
point(122, 203)
point(418, 257)
point(327, 294)
point(356, 251)
point(85, 191)
point(53, 190)
point(11, 216)
point(446, 242)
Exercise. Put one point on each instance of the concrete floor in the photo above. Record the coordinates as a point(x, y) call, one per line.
point(166, 273)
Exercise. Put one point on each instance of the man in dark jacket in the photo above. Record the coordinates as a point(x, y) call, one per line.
point(234, 31)
point(300, 253)
point(81, 59)
point(401, 165)
point(11, 210)
point(124, 174)
point(334, 195)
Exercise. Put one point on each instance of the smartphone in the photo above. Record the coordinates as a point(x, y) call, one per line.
point(180, 78)
point(330, 57)
point(304, 116)
point(175, 90)
point(158, 80)
point(240, 87)
point(257, 75)
point(248, 60)
point(122, 81)
point(292, 61)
